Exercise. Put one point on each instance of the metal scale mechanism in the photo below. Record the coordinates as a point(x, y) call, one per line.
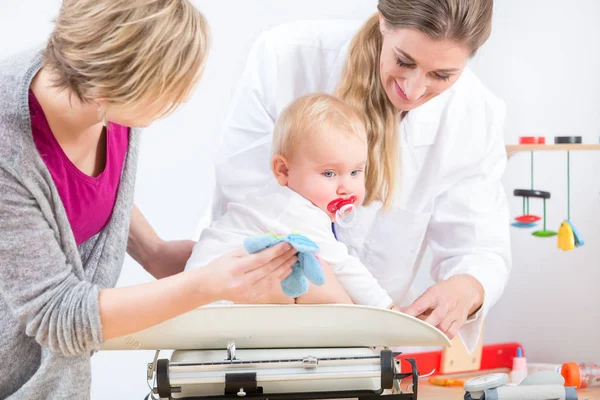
point(361, 373)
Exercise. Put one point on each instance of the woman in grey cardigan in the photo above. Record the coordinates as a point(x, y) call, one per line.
point(67, 169)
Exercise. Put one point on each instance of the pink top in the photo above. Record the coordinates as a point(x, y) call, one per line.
point(88, 201)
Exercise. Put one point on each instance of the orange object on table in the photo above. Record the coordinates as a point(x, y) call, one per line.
point(439, 381)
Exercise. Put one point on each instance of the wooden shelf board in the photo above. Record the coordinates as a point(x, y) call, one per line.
point(512, 149)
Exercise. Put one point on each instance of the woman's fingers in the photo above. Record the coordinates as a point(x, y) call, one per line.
point(421, 305)
point(271, 257)
point(266, 283)
point(453, 329)
point(285, 272)
point(438, 315)
point(273, 269)
point(451, 317)
point(447, 304)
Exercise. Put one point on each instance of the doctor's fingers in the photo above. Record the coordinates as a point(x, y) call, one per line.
point(420, 306)
point(438, 315)
point(454, 328)
point(450, 318)
point(453, 321)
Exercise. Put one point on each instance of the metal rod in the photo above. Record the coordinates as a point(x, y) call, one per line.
point(569, 185)
point(175, 367)
point(532, 170)
point(544, 214)
point(262, 378)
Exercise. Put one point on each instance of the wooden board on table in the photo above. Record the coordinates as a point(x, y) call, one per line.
point(457, 358)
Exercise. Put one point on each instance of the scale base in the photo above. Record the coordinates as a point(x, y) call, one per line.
point(253, 378)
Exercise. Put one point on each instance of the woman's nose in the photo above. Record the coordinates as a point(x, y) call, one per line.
point(415, 86)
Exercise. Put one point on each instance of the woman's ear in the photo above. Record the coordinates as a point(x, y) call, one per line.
point(279, 165)
point(102, 111)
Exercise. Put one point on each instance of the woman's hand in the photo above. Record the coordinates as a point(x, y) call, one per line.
point(169, 257)
point(447, 304)
point(243, 278)
point(236, 276)
point(159, 257)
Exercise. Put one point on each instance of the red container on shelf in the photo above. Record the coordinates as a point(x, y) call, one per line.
point(532, 140)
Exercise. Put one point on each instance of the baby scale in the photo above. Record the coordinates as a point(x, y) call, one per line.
point(281, 352)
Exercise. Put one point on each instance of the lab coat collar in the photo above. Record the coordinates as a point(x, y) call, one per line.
point(422, 124)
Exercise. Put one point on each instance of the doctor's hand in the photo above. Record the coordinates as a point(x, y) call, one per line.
point(243, 278)
point(447, 304)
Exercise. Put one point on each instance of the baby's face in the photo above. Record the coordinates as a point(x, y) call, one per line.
point(329, 165)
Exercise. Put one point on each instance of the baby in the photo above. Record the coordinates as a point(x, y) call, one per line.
point(319, 156)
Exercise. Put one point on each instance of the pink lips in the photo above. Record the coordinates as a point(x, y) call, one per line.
point(338, 203)
point(400, 92)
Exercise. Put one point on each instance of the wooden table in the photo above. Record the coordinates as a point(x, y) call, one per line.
point(431, 392)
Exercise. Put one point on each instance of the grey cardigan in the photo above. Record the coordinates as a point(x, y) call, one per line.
point(49, 315)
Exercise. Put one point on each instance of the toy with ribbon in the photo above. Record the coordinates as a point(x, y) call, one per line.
point(308, 266)
point(528, 220)
point(568, 236)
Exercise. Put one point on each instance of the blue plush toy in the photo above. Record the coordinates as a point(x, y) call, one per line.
point(307, 266)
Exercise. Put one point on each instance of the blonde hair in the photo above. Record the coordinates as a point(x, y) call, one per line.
point(128, 51)
point(464, 21)
point(310, 114)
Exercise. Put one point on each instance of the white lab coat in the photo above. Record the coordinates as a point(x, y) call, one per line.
point(453, 158)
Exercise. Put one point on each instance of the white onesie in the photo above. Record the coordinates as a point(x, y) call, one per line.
point(273, 209)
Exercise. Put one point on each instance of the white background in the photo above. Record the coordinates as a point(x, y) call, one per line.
point(543, 59)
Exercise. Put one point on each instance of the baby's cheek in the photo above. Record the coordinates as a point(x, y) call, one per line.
point(323, 201)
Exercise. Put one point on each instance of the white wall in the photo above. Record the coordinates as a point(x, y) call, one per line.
point(542, 59)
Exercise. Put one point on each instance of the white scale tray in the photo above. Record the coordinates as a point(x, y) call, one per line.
point(282, 326)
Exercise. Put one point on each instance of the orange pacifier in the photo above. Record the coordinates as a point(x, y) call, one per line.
point(344, 210)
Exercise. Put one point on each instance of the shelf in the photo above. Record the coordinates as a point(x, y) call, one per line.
point(512, 149)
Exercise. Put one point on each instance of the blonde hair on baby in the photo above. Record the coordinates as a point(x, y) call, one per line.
point(310, 114)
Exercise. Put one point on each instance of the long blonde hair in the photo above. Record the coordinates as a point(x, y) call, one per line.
point(464, 21)
point(128, 52)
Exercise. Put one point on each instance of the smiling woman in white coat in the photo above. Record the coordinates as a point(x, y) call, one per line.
point(436, 150)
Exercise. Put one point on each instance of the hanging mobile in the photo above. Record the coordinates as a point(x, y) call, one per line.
point(540, 194)
point(526, 220)
point(568, 236)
